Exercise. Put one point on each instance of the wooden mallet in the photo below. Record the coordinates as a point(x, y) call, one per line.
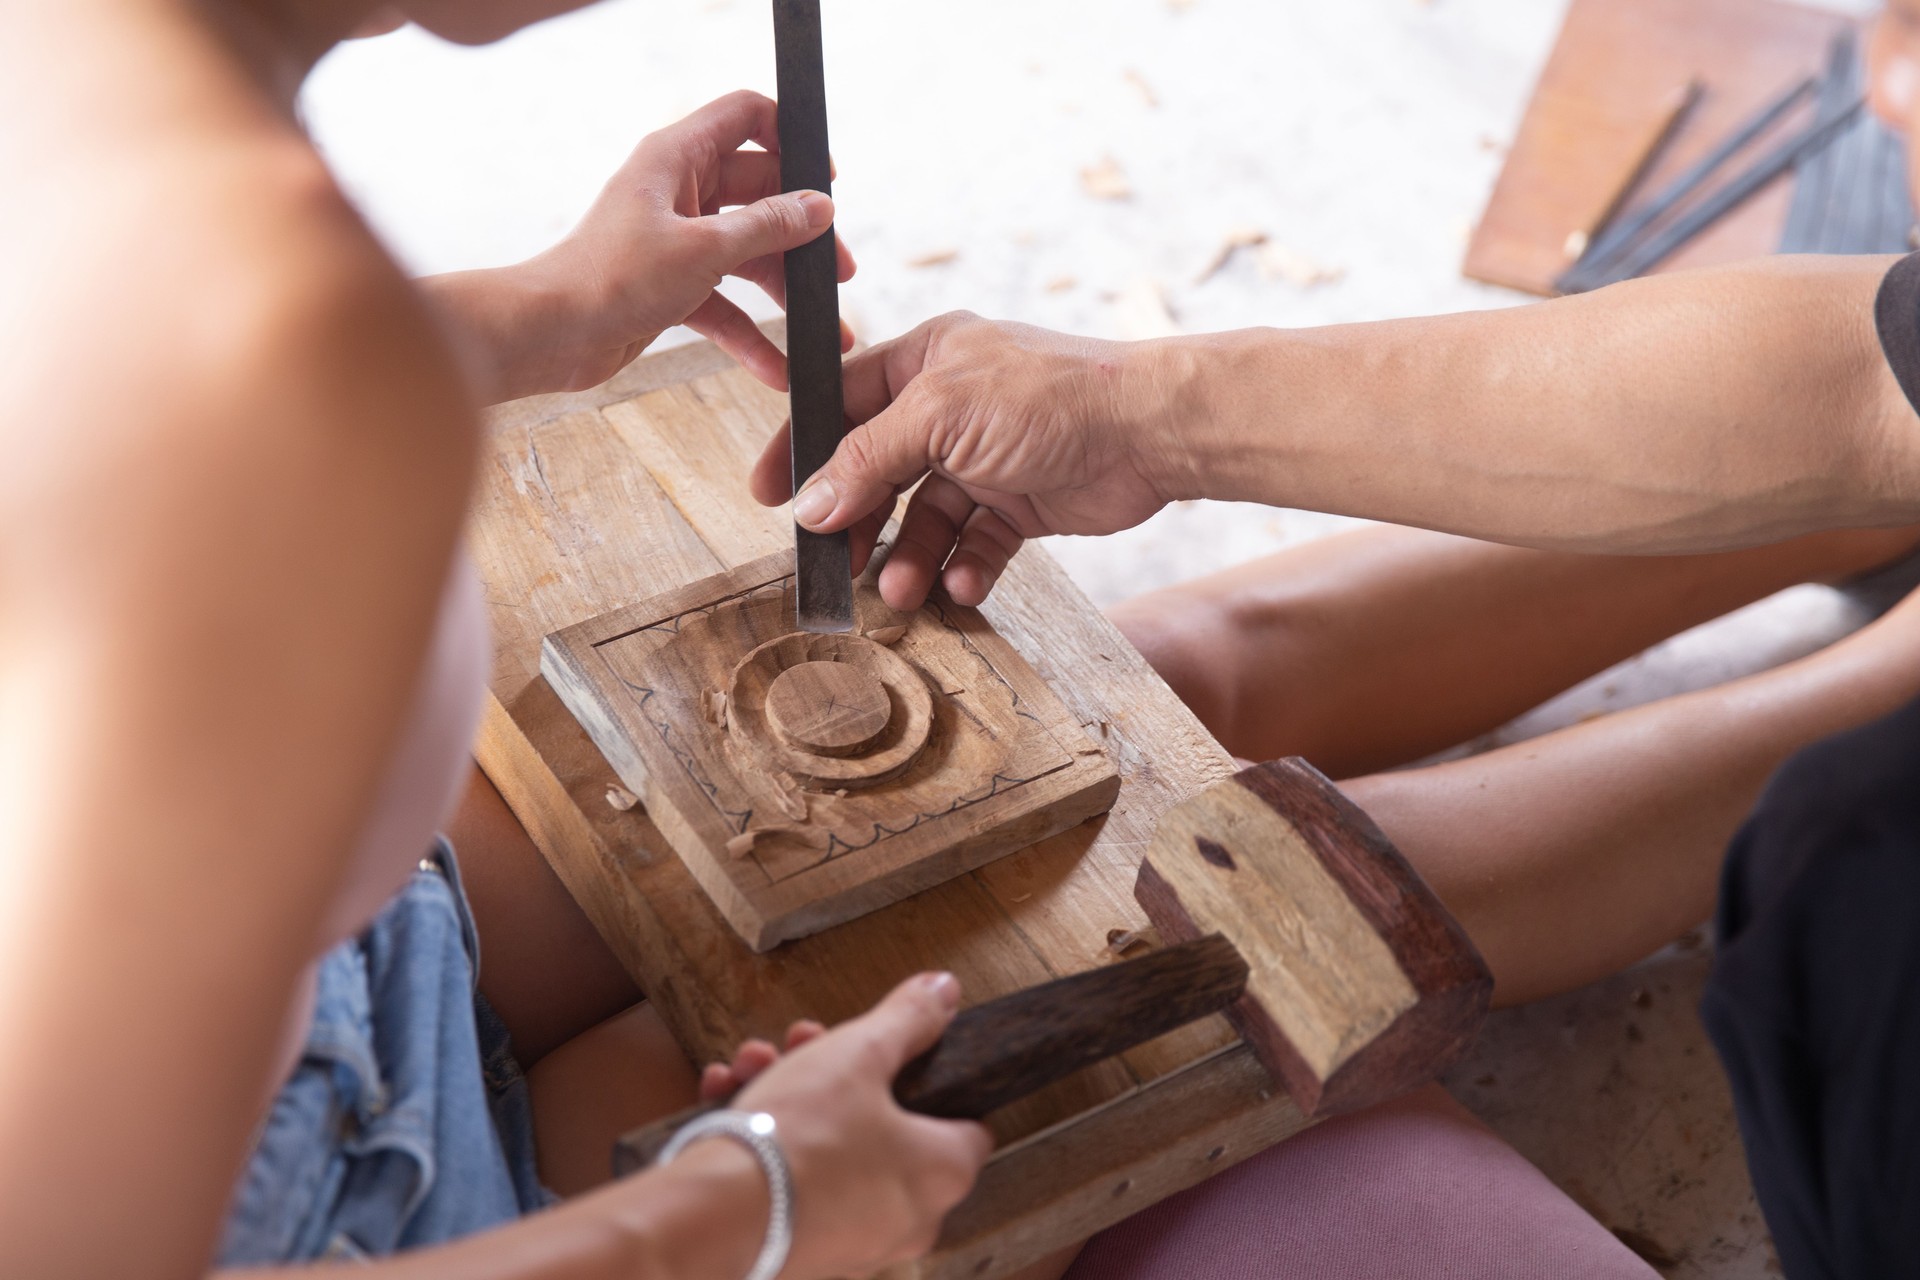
point(1285, 908)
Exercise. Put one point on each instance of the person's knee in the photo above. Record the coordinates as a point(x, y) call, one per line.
point(1184, 639)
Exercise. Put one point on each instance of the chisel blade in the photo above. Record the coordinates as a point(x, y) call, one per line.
point(823, 562)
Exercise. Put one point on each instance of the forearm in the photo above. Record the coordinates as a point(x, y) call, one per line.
point(524, 329)
point(701, 1219)
point(1689, 412)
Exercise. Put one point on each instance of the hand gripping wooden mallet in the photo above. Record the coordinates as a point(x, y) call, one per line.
point(1284, 907)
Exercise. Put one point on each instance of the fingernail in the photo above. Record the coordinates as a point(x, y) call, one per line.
point(819, 208)
point(944, 986)
point(815, 503)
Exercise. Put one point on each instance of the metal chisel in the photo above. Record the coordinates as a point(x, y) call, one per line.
point(823, 562)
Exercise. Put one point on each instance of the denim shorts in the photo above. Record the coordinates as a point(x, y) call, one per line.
point(405, 1122)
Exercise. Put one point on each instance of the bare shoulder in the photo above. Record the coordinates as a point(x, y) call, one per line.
point(210, 340)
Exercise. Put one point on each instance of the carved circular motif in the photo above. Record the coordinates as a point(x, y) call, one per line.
point(842, 738)
point(828, 708)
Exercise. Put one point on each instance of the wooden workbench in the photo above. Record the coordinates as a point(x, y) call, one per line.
point(596, 500)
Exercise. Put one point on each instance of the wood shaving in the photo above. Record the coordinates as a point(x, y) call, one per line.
point(1060, 284)
point(934, 258)
point(714, 706)
point(621, 798)
point(742, 845)
point(1106, 180)
point(1298, 270)
point(1121, 941)
point(887, 635)
point(1019, 898)
point(840, 794)
point(1141, 311)
point(792, 800)
point(1139, 82)
point(1237, 239)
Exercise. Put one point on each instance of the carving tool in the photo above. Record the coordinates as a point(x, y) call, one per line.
point(1652, 147)
point(1657, 247)
point(823, 562)
point(1285, 909)
point(1596, 263)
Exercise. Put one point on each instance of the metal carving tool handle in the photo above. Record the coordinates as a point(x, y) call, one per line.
point(823, 563)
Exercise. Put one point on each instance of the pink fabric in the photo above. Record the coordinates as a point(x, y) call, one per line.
point(1416, 1189)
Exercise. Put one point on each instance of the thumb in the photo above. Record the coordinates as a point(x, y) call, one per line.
point(872, 465)
point(772, 225)
point(906, 1023)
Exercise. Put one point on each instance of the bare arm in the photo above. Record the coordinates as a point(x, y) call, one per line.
point(1689, 412)
point(871, 1182)
point(1680, 413)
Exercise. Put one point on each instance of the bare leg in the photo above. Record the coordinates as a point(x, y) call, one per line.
point(1574, 854)
point(543, 967)
point(1373, 648)
point(617, 1076)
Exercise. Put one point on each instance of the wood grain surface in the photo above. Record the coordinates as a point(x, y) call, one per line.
point(1605, 88)
point(593, 501)
point(1362, 985)
point(1003, 1050)
point(971, 758)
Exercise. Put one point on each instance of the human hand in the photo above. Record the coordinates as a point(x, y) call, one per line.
point(651, 252)
point(871, 1181)
point(1019, 432)
point(721, 1080)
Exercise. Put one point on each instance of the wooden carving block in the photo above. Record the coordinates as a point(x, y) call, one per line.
point(808, 779)
point(1362, 985)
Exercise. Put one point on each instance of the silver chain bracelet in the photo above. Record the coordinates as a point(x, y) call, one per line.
point(754, 1131)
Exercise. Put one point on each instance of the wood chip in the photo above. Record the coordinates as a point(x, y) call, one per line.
point(1145, 90)
point(621, 798)
point(1121, 941)
point(1060, 284)
point(792, 800)
point(1019, 898)
point(1237, 239)
point(741, 845)
point(714, 705)
point(1141, 312)
point(934, 258)
point(887, 635)
point(1106, 180)
point(1298, 270)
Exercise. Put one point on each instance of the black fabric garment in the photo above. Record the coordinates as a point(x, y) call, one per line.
point(1814, 1002)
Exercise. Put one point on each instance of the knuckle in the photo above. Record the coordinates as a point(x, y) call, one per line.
point(856, 453)
point(781, 217)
